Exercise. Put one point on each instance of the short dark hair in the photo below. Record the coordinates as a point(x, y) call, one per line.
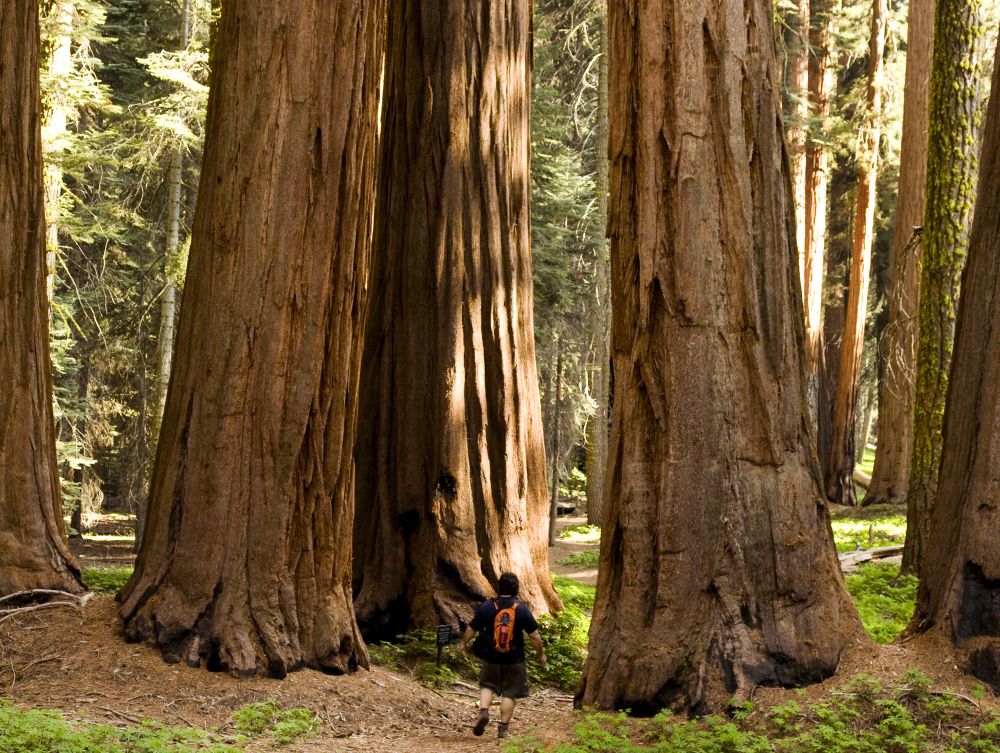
point(508, 585)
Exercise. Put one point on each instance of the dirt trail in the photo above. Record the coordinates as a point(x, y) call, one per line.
point(76, 661)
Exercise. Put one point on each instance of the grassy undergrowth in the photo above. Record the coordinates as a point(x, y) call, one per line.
point(588, 558)
point(866, 529)
point(861, 717)
point(105, 580)
point(46, 731)
point(565, 636)
point(884, 598)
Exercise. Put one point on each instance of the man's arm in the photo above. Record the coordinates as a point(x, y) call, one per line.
point(536, 641)
point(467, 636)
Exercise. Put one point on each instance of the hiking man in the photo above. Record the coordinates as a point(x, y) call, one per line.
point(501, 624)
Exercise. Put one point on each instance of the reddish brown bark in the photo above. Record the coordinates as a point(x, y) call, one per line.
point(890, 476)
point(450, 457)
point(817, 178)
point(33, 553)
point(960, 587)
point(840, 467)
point(246, 561)
point(717, 567)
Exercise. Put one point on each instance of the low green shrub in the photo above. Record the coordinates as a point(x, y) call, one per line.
point(884, 598)
point(105, 580)
point(587, 558)
point(46, 731)
point(584, 532)
point(283, 725)
point(860, 717)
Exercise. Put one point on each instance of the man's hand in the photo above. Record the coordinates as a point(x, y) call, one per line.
point(543, 661)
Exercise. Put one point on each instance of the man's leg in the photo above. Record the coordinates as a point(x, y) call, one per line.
point(506, 710)
point(485, 700)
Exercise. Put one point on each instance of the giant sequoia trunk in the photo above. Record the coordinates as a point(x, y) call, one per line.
point(840, 476)
point(245, 564)
point(450, 458)
point(960, 587)
point(891, 474)
point(952, 162)
point(33, 553)
point(717, 564)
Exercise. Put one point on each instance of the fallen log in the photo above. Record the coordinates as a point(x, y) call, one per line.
point(849, 561)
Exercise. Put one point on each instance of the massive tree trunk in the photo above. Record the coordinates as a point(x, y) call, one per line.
point(450, 457)
point(245, 564)
point(952, 161)
point(891, 474)
point(821, 83)
point(840, 478)
point(33, 552)
point(960, 586)
point(598, 458)
point(716, 555)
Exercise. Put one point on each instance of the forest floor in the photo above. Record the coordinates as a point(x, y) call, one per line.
point(75, 661)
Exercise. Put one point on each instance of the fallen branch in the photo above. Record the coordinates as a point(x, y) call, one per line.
point(77, 602)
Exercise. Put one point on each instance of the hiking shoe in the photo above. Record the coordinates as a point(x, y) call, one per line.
point(502, 730)
point(481, 722)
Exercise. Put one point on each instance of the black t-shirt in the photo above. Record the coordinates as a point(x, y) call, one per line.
point(482, 623)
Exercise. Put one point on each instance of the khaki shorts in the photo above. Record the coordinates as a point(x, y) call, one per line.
point(508, 680)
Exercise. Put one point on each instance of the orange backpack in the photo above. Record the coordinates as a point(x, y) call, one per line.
point(503, 627)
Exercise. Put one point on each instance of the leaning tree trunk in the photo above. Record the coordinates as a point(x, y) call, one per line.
point(245, 564)
point(450, 456)
point(716, 554)
point(960, 587)
point(821, 83)
point(952, 163)
point(33, 551)
point(891, 474)
point(840, 467)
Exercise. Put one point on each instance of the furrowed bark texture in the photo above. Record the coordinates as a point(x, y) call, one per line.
point(821, 84)
point(716, 555)
point(33, 553)
point(245, 564)
point(891, 474)
point(956, 100)
point(450, 456)
point(840, 478)
point(960, 587)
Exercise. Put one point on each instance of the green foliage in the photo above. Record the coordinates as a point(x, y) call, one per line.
point(283, 725)
point(850, 534)
point(885, 599)
point(45, 731)
point(860, 717)
point(586, 558)
point(416, 653)
point(584, 532)
point(106, 580)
